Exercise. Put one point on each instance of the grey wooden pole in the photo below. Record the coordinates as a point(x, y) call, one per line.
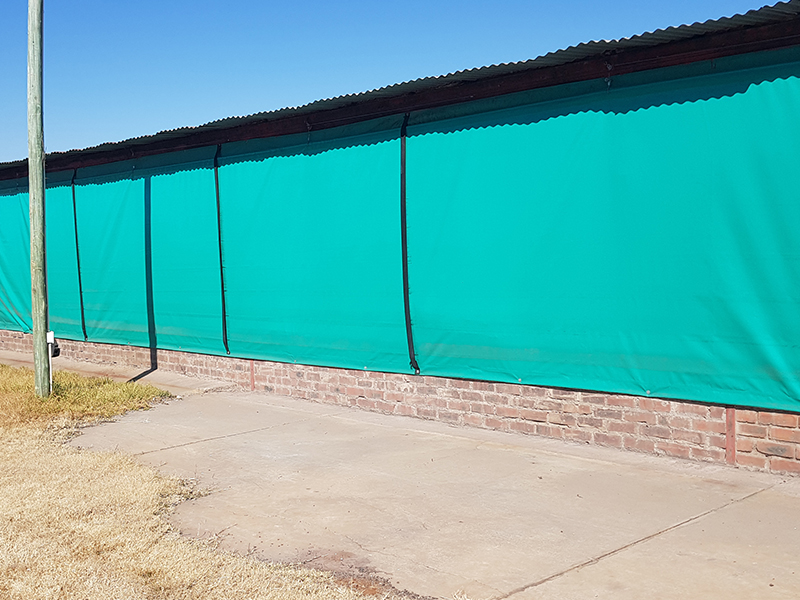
point(41, 358)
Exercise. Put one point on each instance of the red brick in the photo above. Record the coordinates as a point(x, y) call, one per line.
point(507, 411)
point(785, 435)
point(405, 410)
point(608, 439)
point(482, 408)
point(783, 464)
point(384, 406)
point(656, 431)
point(533, 415)
point(431, 401)
point(570, 407)
point(694, 437)
point(781, 419)
point(713, 454)
point(473, 419)
point(652, 404)
point(578, 435)
point(640, 417)
point(590, 422)
point(533, 391)
point(605, 413)
point(594, 398)
point(564, 419)
point(426, 412)
point(628, 401)
point(774, 449)
point(709, 426)
point(549, 430)
point(752, 460)
point(693, 409)
point(483, 386)
point(632, 443)
point(745, 444)
point(524, 402)
point(746, 416)
point(563, 394)
point(458, 405)
point(494, 423)
point(522, 426)
point(671, 449)
point(448, 416)
point(751, 430)
point(362, 402)
point(461, 384)
point(506, 388)
point(621, 427)
point(551, 405)
point(497, 399)
point(675, 421)
point(716, 412)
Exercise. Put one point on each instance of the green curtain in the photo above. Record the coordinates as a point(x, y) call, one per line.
point(62, 264)
point(187, 301)
point(313, 263)
point(15, 258)
point(640, 237)
point(111, 239)
point(648, 251)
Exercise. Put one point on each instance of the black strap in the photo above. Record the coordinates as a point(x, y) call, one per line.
point(404, 243)
point(219, 239)
point(78, 255)
point(152, 335)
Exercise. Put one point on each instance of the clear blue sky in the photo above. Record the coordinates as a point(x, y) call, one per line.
point(115, 70)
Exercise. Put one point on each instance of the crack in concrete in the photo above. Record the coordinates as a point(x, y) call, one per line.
point(219, 437)
point(597, 559)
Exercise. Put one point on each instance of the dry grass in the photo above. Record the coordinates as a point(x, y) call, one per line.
point(75, 398)
point(90, 525)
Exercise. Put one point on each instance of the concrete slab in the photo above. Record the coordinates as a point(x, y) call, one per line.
point(747, 549)
point(437, 509)
point(175, 383)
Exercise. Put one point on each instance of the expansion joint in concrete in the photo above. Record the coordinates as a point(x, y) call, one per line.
point(217, 437)
point(596, 559)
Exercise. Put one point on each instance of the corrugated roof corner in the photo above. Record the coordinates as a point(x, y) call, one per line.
point(761, 16)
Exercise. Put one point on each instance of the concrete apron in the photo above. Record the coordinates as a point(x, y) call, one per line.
point(438, 510)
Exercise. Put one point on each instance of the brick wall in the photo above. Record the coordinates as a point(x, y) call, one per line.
point(762, 440)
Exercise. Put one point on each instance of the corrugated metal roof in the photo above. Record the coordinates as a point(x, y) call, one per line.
point(776, 13)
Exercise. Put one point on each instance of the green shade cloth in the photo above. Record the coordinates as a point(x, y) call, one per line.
point(187, 300)
point(15, 261)
point(313, 267)
point(62, 264)
point(634, 236)
point(111, 239)
point(653, 251)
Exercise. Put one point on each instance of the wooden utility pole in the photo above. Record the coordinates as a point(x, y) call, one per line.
point(41, 358)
